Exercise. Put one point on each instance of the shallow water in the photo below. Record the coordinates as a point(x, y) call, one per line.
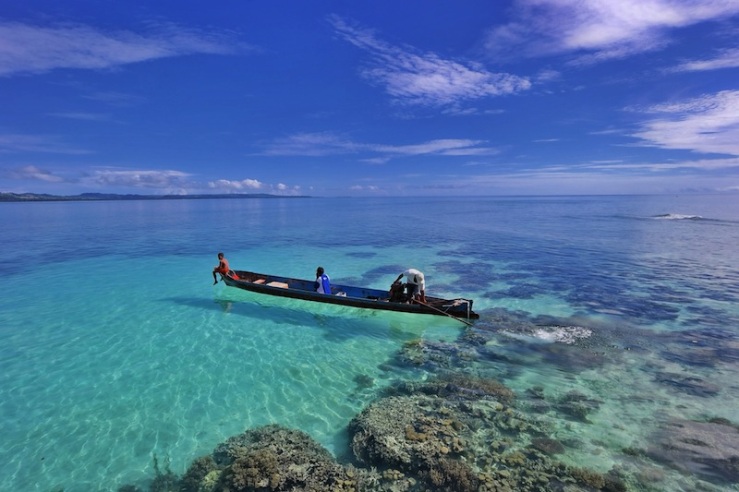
point(115, 347)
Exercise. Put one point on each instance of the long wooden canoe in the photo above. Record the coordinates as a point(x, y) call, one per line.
point(346, 295)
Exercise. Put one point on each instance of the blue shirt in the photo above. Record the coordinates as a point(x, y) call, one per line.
point(323, 284)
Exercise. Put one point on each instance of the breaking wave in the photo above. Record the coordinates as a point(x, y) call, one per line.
point(677, 217)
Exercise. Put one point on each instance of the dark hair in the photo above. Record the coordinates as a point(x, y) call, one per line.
point(319, 270)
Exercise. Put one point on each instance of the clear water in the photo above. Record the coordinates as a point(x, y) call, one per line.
point(115, 346)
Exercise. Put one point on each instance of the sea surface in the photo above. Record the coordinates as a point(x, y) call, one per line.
point(116, 347)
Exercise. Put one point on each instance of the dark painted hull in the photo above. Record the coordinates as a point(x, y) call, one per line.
point(345, 295)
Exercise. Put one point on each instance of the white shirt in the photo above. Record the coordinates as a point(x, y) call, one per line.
point(415, 277)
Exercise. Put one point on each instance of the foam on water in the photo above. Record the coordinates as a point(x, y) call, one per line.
point(677, 217)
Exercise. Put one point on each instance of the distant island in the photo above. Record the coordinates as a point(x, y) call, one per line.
point(89, 197)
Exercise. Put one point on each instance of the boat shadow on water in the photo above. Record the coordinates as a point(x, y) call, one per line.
point(338, 323)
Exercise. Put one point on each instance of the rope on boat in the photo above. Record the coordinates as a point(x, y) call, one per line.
point(445, 312)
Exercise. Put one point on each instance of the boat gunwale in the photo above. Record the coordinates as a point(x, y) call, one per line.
point(378, 299)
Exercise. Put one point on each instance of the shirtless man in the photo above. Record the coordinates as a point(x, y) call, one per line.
point(222, 267)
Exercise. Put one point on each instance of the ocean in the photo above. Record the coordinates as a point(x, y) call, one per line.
point(116, 347)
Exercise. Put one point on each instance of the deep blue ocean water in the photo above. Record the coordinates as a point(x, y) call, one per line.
point(116, 347)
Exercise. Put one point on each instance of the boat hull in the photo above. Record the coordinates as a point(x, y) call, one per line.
point(345, 295)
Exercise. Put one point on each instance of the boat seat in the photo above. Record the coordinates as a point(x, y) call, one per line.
point(258, 281)
point(282, 285)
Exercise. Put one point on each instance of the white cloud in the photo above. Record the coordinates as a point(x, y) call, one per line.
point(697, 164)
point(320, 144)
point(447, 146)
point(310, 144)
point(116, 99)
point(13, 142)
point(250, 185)
point(82, 116)
point(707, 124)
point(725, 59)
point(364, 188)
point(557, 181)
point(548, 75)
point(35, 49)
point(229, 185)
point(425, 78)
point(34, 173)
point(284, 189)
point(600, 30)
point(155, 181)
point(138, 178)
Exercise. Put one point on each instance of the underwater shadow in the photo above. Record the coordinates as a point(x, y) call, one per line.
point(335, 327)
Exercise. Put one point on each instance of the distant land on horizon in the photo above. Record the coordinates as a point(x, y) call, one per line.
point(43, 197)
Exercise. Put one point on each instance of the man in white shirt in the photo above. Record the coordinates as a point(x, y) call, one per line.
point(415, 283)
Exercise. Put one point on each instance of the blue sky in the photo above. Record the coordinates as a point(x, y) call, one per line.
point(333, 98)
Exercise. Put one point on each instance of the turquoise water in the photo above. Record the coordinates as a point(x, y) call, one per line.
point(115, 346)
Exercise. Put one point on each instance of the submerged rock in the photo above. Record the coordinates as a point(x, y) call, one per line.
point(577, 406)
point(701, 348)
point(707, 449)
point(691, 385)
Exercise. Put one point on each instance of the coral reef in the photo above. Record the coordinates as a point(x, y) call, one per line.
point(124, 488)
point(196, 474)
point(463, 431)
point(456, 386)
point(455, 433)
point(436, 355)
point(266, 459)
point(164, 480)
point(273, 458)
point(459, 433)
point(547, 445)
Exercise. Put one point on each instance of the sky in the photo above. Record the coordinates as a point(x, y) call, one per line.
point(380, 98)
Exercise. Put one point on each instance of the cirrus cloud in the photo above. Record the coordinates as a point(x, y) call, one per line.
point(326, 143)
point(724, 59)
point(47, 144)
point(413, 77)
point(600, 30)
point(34, 173)
point(706, 124)
point(27, 48)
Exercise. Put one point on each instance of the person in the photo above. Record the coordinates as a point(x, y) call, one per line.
point(222, 267)
point(397, 291)
point(415, 285)
point(322, 283)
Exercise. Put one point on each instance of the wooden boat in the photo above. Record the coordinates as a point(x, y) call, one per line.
point(345, 295)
